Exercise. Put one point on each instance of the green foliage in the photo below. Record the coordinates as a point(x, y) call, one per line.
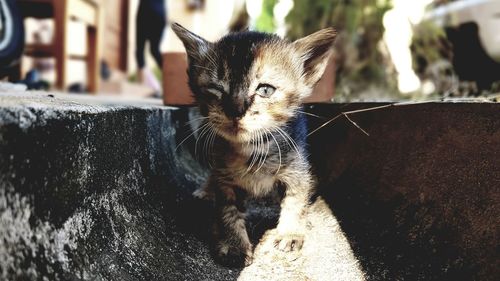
point(359, 23)
point(429, 45)
point(352, 16)
point(265, 22)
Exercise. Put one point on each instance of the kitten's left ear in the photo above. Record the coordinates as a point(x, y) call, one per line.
point(196, 47)
point(315, 50)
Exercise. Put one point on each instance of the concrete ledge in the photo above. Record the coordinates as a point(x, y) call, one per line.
point(85, 193)
point(94, 189)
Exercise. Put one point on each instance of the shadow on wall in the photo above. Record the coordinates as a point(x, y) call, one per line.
point(418, 197)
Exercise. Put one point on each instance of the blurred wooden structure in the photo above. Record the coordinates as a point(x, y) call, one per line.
point(62, 11)
point(115, 43)
point(177, 92)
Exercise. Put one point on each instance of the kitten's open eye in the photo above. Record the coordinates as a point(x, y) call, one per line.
point(265, 90)
point(215, 92)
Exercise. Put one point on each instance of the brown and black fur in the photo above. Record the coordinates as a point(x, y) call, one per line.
point(256, 142)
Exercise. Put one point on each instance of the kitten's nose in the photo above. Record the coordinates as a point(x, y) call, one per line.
point(235, 108)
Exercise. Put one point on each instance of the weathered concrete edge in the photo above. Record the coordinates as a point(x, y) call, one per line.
point(58, 186)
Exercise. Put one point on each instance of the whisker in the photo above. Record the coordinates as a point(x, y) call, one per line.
point(199, 118)
point(192, 133)
point(192, 123)
point(203, 132)
point(293, 142)
point(289, 140)
point(249, 143)
point(214, 135)
point(189, 122)
point(261, 147)
point(254, 157)
point(206, 143)
point(279, 151)
point(212, 144)
point(267, 152)
point(277, 129)
point(212, 141)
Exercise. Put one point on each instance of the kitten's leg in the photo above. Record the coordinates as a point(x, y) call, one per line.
point(205, 192)
point(290, 231)
point(233, 246)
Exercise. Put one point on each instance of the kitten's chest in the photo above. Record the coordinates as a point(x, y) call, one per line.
point(251, 159)
point(256, 184)
point(251, 170)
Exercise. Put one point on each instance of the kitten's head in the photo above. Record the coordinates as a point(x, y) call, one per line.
point(253, 82)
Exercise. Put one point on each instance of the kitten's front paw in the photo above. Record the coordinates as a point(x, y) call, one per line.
point(289, 242)
point(203, 194)
point(232, 256)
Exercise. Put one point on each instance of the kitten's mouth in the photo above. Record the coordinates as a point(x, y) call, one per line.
point(234, 128)
point(233, 131)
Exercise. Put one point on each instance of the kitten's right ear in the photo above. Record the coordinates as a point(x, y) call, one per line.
point(196, 47)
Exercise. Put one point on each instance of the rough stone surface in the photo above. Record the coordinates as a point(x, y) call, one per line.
point(93, 191)
point(419, 198)
point(96, 189)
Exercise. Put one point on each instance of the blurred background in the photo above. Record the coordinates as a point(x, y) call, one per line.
point(386, 50)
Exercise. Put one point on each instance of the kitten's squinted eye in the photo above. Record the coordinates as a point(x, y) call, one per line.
point(215, 92)
point(265, 90)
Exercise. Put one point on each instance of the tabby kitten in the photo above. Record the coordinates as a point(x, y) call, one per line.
point(249, 87)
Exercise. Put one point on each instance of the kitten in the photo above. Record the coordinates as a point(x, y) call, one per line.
point(249, 87)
